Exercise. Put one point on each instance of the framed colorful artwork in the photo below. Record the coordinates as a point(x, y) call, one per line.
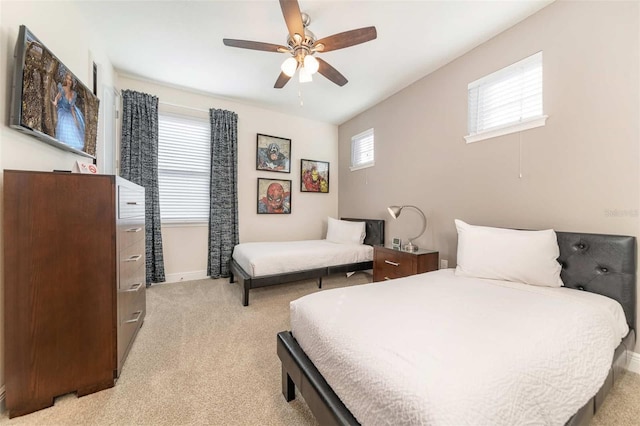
point(273, 154)
point(314, 176)
point(274, 196)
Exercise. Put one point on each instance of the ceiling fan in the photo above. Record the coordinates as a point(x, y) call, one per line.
point(302, 45)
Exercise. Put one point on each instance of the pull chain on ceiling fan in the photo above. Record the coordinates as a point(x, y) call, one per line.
point(302, 45)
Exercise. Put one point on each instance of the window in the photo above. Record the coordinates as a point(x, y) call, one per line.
point(184, 152)
point(362, 150)
point(507, 101)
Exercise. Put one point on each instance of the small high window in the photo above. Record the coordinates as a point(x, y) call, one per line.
point(362, 148)
point(506, 101)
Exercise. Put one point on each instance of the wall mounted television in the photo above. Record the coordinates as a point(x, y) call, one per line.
point(49, 102)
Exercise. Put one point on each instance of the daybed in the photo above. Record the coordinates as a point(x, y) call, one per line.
point(552, 366)
point(291, 260)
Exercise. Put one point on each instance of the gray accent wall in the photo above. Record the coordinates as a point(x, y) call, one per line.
point(579, 173)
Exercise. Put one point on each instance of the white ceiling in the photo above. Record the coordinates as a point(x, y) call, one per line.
point(180, 43)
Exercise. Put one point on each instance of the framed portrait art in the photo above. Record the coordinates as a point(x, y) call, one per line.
point(273, 154)
point(314, 176)
point(274, 196)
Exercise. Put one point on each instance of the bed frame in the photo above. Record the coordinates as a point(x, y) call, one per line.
point(603, 264)
point(374, 229)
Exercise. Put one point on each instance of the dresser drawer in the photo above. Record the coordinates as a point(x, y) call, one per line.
point(130, 232)
point(132, 277)
point(131, 266)
point(130, 202)
point(131, 313)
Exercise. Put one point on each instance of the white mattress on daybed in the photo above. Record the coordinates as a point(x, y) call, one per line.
point(268, 258)
point(438, 349)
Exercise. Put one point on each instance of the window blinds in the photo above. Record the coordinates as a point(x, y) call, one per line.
point(507, 97)
point(184, 158)
point(362, 150)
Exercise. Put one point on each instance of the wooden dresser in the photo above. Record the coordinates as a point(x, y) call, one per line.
point(74, 271)
point(390, 263)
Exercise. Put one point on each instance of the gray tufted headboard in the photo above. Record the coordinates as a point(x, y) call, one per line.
point(603, 264)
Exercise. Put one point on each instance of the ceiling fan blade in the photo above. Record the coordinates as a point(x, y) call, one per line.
point(331, 73)
point(281, 81)
point(293, 17)
point(345, 39)
point(254, 45)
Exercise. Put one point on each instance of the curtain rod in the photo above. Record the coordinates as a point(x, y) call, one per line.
point(183, 106)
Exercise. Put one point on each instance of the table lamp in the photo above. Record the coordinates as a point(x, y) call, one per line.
point(395, 211)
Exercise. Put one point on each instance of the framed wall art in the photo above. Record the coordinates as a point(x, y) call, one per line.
point(314, 176)
point(274, 196)
point(273, 154)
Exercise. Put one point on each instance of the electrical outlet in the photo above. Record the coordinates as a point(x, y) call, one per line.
point(444, 263)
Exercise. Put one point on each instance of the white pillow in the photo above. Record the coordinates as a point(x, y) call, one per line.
point(345, 231)
point(528, 257)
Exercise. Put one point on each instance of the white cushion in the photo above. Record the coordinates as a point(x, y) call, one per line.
point(345, 231)
point(528, 257)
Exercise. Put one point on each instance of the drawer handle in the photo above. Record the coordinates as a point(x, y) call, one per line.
point(135, 287)
point(132, 203)
point(138, 314)
point(133, 258)
point(391, 263)
point(134, 229)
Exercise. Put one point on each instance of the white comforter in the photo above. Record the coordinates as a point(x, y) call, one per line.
point(436, 349)
point(263, 258)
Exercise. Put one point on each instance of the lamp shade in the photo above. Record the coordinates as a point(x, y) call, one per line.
point(395, 211)
point(311, 64)
point(289, 66)
point(304, 75)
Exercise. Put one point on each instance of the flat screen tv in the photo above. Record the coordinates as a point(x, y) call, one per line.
point(49, 102)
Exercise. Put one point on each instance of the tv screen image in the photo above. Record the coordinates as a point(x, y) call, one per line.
point(49, 101)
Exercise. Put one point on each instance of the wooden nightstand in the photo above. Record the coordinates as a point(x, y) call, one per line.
point(389, 263)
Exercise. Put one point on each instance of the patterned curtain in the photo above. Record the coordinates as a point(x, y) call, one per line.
point(139, 164)
point(223, 196)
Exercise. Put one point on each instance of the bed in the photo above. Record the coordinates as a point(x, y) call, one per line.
point(257, 265)
point(591, 265)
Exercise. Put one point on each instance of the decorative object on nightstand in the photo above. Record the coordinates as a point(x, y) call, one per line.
point(389, 263)
point(395, 211)
point(396, 244)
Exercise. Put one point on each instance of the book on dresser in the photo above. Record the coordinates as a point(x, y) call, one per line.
point(74, 279)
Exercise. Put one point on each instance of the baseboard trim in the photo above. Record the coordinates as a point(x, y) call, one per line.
point(634, 364)
point(186, 276)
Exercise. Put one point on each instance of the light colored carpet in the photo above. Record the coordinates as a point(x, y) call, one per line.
point(201, 358)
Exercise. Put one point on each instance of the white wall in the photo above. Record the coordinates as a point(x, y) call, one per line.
point(580, 172)
point(62, 30)
point(185, 247)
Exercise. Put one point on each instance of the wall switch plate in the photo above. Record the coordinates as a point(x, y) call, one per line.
point(444, 263)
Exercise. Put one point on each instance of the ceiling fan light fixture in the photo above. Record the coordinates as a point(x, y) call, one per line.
point(289, 66)
point(311, 64)
point(304, 75)
point(302, 44)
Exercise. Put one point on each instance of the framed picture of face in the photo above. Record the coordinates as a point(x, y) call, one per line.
point(274, 196)
point(273, 154)
point(314, 176)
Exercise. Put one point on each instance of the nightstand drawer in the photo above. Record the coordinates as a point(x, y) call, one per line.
point(389, 263)
point(389, 267)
